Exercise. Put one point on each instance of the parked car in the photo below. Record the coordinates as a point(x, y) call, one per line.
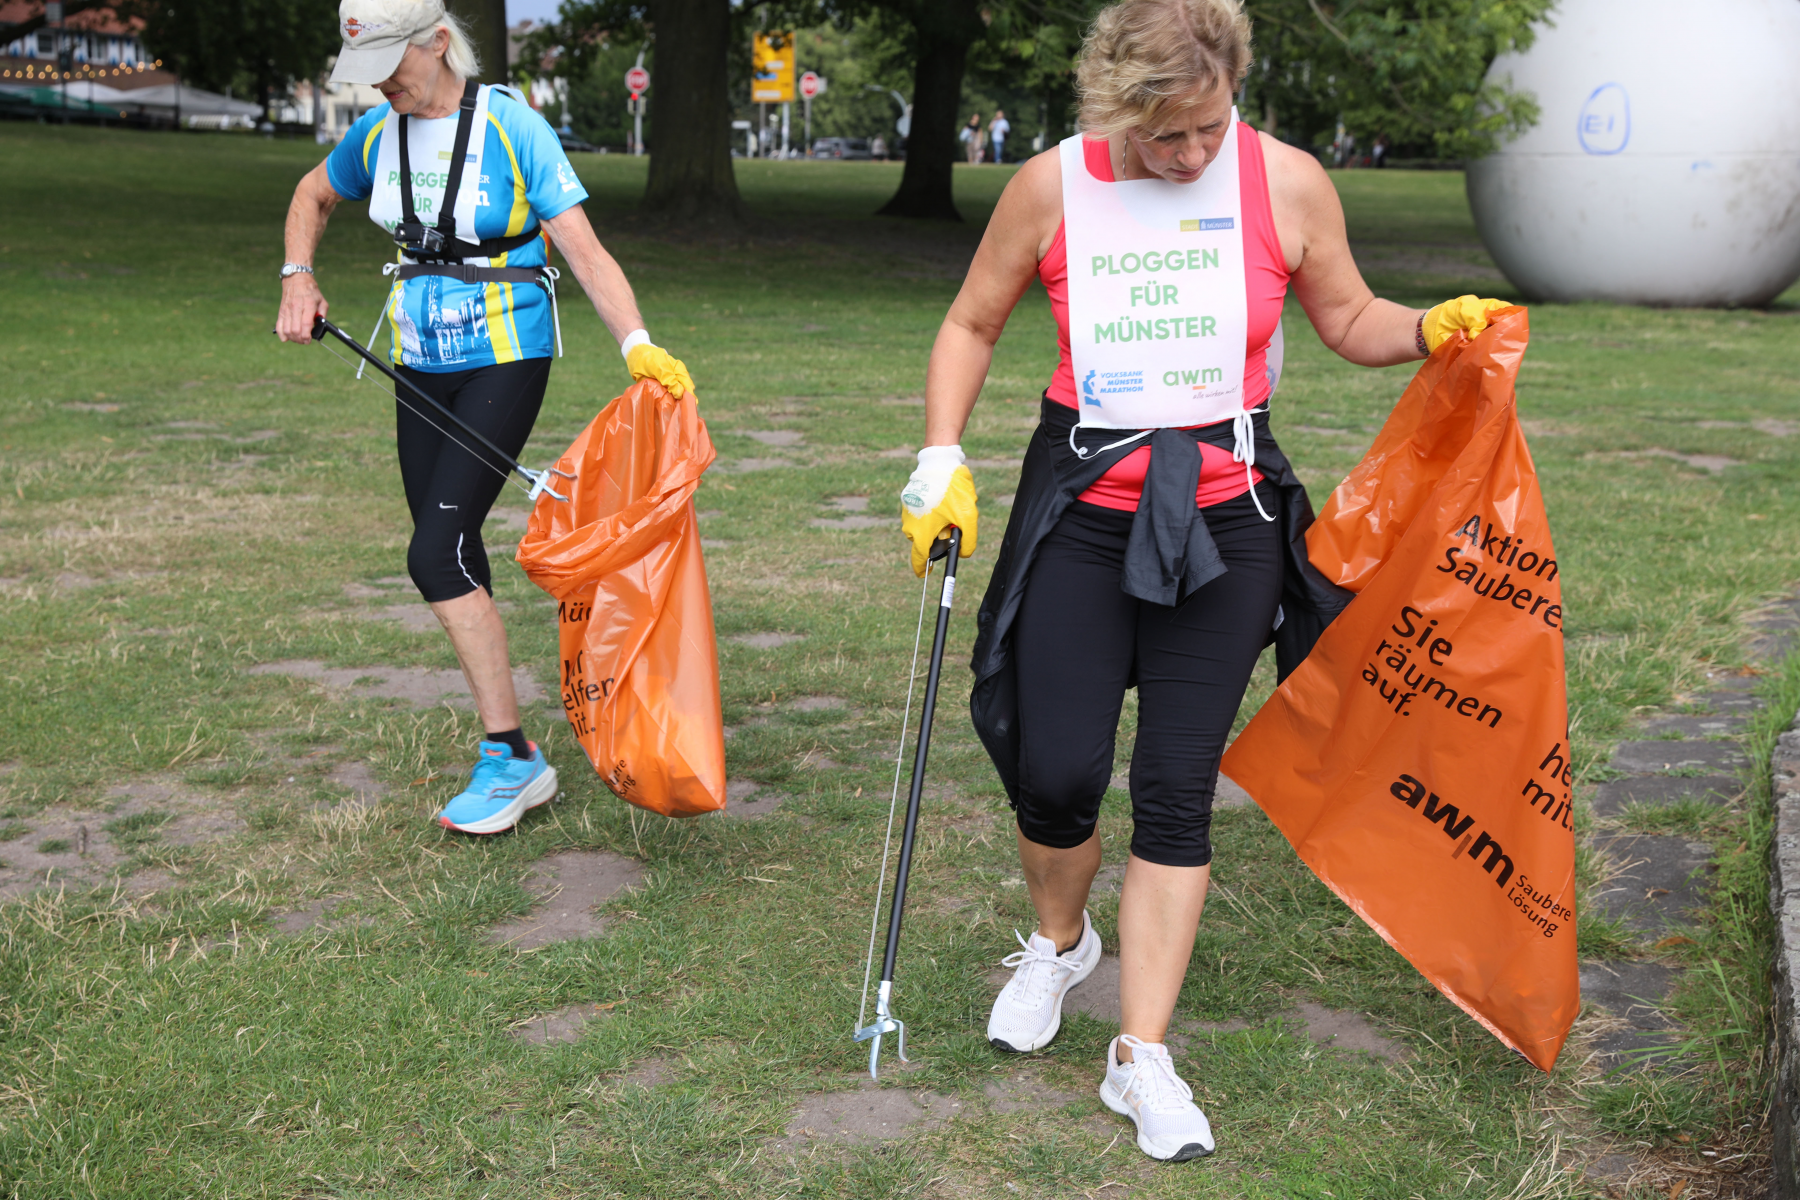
point(837, 147)
point(571, 143)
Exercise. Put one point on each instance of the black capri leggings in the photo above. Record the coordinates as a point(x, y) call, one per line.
point(1079, 641)
point(448, 488)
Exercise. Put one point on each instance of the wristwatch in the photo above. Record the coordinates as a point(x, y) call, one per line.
point(295, 269)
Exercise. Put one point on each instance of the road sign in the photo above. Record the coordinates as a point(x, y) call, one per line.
point(637, 81)
point(772, 68)
point(811, 85)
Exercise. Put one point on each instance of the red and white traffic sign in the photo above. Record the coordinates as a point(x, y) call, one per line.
point(637, 81)
point(811, 85)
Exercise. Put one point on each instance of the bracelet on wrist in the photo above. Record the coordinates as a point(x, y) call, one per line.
point(1419, 337)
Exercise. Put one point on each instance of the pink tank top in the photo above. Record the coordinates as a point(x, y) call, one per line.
point(1265, 277)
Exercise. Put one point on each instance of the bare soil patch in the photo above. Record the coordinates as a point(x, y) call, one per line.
point(299, 920)
point(568, 888)
point(853, 522)
point(774, 437)
point(562, 1026)
point(869, 1113)
point(1712, 464)
point(1348, 1031)
point(423, 687)
point(89, 846)
point(1098, 994)
point(1022, 1091)
point(747, 800)
point(357, 778)
point(766, 641)
point(651, 1072)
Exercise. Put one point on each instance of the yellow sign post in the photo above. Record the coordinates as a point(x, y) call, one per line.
point(772, 68)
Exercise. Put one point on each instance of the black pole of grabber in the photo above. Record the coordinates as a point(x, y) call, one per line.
point(885, 1021)
point(537, 479)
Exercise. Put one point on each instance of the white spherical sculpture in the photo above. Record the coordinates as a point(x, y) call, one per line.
point(1665, 168)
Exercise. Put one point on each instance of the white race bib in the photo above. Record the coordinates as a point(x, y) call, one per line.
point(1158, 312)
point(429, 146)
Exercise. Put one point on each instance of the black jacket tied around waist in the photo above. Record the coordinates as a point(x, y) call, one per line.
point(1170, 554)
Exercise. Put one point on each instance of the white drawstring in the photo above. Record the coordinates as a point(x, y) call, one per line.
point(553, 275)
point(1085, 454)
point(392, 268)
point(1243, 449)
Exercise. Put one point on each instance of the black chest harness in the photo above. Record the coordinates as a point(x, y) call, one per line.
point(435, 250)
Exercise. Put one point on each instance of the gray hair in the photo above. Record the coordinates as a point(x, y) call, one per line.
point(460, 55)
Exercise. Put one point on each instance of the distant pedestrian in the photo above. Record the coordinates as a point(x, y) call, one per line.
point(998, 128)
point(971, 137)
point(878, 148)
point(1378, 153)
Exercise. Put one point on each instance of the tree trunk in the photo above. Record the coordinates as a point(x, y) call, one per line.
point(486, 20)
point(944, 31)
point(691, 179)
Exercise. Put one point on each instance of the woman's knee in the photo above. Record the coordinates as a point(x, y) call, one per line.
point(1059, 807)
point(440, 567)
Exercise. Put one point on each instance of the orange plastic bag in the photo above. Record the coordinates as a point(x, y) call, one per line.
point(1418, 760)
point(640, 664)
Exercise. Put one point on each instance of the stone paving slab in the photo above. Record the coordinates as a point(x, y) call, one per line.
point(1699, 726)
point(1632, 993)
point(1610, 798)
point(1654, 882)
point(1677, 756)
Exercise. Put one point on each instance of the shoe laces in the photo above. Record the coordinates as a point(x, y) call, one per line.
point(1153, 1073)
point(1035, 971)
point(488, 770)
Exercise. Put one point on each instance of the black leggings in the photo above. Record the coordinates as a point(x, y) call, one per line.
point(449, 489)
point(1079, 642)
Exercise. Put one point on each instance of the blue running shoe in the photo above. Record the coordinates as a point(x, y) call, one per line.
point(500, 789)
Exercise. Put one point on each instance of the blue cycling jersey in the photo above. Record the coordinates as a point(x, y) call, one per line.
point(444, 324)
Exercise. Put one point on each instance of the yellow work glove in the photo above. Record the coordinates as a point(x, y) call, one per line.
point(646, 361)
point(1467, 313)
point(941, 493)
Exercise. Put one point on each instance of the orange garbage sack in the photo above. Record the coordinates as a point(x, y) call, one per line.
point(640, 664)
point(1418, 760)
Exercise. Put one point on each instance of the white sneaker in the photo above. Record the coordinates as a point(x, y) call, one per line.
point(1170, 1125)
point(1028, 1011)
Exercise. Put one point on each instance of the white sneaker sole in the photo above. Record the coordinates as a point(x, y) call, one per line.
point(540, 790)
point(1055, 1026)
point(1161, 1151)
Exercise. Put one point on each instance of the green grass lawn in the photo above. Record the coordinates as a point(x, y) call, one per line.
point(183, 499)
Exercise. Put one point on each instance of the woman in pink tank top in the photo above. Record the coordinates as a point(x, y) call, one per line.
point(1163, 558)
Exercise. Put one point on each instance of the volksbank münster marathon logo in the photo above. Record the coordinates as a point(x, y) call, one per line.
point(1110, 383)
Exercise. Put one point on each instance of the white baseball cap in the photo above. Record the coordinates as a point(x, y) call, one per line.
point(376, 34)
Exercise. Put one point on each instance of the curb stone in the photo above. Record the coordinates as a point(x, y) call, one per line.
point(1784, 901)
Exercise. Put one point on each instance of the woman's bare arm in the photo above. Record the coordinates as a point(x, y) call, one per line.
point(1350, 319)
point(308, 212)
point(1023, 224)
point(596, 271)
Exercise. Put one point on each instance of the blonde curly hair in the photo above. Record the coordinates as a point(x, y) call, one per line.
point(1145, 60)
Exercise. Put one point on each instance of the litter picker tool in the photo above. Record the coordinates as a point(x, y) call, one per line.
point(539, 481)
point(885, 1021)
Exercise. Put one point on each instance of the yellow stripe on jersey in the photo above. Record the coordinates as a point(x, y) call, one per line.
point(503, 332)
point(369, 142)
